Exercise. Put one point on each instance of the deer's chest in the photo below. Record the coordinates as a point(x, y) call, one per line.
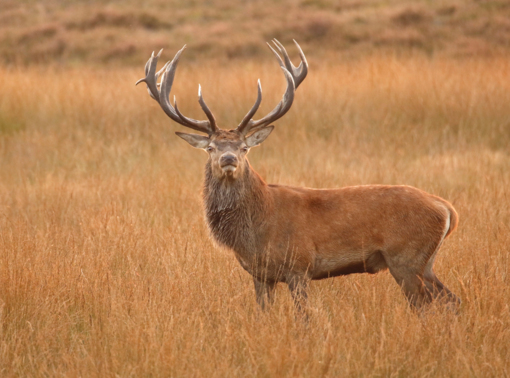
point(235, 230)
point(231, 227)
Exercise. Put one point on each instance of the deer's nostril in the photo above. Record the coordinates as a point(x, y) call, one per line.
point(228, 159)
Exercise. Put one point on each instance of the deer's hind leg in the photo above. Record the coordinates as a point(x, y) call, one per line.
point(413, 271)
point(436, 287)
point(407, 266)
point(412, 284)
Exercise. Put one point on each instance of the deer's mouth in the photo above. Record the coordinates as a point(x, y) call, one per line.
point(229, 168)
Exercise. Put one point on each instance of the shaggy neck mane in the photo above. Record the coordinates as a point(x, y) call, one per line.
point(233, 206)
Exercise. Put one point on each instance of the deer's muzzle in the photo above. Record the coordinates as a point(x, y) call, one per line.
point(228, 162)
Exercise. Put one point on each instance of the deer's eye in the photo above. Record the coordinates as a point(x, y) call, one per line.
point(210, 149)
point(244, 149)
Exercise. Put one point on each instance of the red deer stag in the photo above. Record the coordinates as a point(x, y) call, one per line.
point(281, 233)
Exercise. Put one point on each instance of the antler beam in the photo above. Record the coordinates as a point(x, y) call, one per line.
point(161, 91)
point(294, 76)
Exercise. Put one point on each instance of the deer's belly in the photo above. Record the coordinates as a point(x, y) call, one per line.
point(344, 264)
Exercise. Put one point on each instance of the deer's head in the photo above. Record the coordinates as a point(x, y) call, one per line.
point(227, 149)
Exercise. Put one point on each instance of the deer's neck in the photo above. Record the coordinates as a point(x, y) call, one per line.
point(235, 209)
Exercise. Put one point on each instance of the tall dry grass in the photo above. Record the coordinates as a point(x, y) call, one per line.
point(106, 267)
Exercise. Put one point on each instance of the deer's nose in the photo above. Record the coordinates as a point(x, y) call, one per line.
point(228, 159)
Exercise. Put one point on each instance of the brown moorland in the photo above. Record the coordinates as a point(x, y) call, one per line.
point(106, 265)
point(119, 31)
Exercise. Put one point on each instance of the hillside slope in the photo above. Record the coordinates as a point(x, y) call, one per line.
point(124, 31)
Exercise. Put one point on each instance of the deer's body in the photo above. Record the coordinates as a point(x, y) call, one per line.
point(321, 233)
point(294, 235)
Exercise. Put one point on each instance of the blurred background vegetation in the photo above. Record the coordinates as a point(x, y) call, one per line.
point(125, 31)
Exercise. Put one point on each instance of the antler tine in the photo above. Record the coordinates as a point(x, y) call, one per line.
point(161, 91)
point(280, 109)
point(280, 61)
point(293, 75)
point(206, 109)
point(196, 124)
point(151, 76)
point(190, 122)
point(253, 110)
point(298, 73)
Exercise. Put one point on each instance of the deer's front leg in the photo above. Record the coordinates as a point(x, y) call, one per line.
point(264, 292)
point(298, 287)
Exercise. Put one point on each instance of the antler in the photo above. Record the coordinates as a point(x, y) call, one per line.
point(160, 92)
point(294, 76)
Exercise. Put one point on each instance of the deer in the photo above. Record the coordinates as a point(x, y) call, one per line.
point(294, 235)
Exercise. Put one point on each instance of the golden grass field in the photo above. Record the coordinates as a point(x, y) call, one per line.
point(106, 266)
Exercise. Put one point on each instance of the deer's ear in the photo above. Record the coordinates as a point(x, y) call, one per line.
point(259, 136)
point(197, 141)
